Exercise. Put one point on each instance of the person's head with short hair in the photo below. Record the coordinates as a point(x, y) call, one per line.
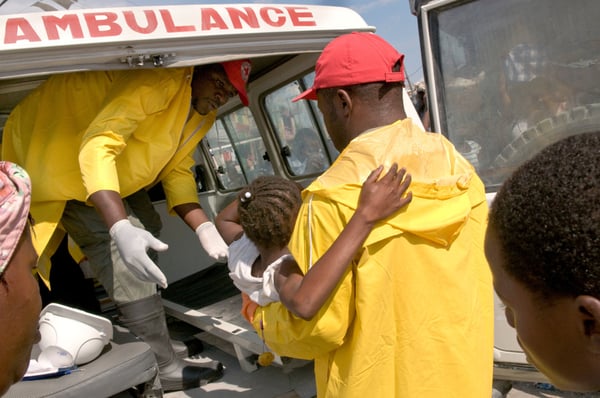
point(268, 208)
point(358, 84)
point(20, 301)
point(214, 84)
point(543, 247)
point(307, 143)
point(308, 156)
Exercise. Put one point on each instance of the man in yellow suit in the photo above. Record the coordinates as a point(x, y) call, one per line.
point(93, 142)
point(414, 315)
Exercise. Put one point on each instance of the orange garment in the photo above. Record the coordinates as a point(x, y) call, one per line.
point(248, 308)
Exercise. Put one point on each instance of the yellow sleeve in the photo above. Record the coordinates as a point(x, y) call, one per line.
point(177, 177)
point(134, 95)
point(179, 185)
point(288, 335)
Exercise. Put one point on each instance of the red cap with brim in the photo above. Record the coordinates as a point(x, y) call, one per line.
point(355, 58)
point(238, 72)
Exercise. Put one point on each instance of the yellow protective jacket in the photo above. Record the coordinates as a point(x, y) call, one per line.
point(413, 318)
point(123, 131)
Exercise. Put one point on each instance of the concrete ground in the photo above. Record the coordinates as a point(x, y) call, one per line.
point(274, 382)
point(530, 390)
point(267, 382)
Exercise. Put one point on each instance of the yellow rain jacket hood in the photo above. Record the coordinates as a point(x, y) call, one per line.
point(414, 316)
point(123, 131)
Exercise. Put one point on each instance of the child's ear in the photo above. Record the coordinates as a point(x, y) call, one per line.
point(589, 309)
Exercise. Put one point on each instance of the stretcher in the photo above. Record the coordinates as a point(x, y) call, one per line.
point(125, 363)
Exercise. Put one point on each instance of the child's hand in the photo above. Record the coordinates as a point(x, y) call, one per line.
point(382, 198)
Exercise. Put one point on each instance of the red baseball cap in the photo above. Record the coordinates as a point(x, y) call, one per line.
point(238, 72)
point(355, 58)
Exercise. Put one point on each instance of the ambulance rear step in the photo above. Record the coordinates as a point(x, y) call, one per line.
point(189, 300)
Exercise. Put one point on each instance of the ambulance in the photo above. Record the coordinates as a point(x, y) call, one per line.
point(464, 44)
point(269, 137)
point(505, 79)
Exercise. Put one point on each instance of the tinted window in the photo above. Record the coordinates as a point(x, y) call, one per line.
point(513, 76)
point(302, 145)
point(236, 150)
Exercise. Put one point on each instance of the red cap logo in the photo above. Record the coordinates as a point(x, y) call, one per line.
point(238, 73)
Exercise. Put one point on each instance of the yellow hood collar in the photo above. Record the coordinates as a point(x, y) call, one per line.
point(442, 180)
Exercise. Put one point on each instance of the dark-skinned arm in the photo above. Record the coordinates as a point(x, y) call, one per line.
point(228, 222)
point(304, 295)
point(110, 206)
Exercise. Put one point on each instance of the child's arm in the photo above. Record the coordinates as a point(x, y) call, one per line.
point(227, 222)
point(304, 295)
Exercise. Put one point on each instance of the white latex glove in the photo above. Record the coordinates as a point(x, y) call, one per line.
point(133, 243)
point(212, 242)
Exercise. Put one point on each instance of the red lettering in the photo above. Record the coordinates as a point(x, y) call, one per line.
point(277, 20)
point(212, 19)
point(151, 22)
point(170, 25)
point(65, 23)
point(19, 29)
point(102, 24)
point(296, 15)
point(249, 16)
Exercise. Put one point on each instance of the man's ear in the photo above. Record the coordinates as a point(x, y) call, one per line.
point(343, 101)
point(589, 310)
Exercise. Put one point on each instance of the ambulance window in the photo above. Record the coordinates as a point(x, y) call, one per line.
point(508, 86)
point(236, 150)
point(302, 145)
point(308, 81)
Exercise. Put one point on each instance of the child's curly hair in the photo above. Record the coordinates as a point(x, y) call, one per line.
point(268, 208)
point(547, 219)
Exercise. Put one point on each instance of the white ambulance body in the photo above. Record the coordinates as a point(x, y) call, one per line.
point(283, 41)
point(505, 79)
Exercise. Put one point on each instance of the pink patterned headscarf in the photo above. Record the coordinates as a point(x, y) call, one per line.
point(15, 198)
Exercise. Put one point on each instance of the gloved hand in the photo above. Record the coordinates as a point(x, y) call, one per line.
point(212, 242)
point(133, 243)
